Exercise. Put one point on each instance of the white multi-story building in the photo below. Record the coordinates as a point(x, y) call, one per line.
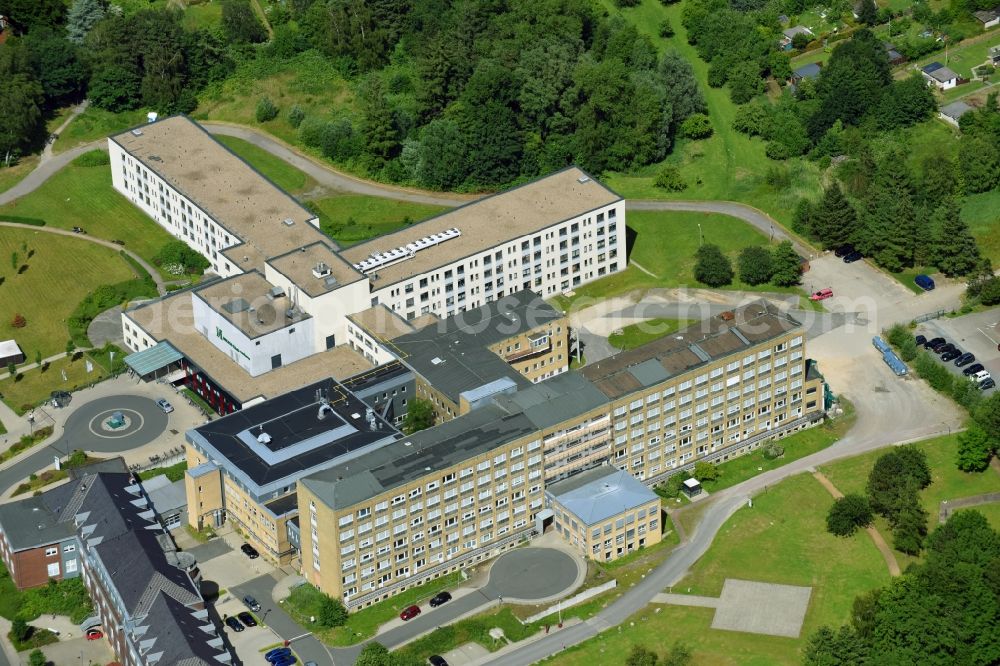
point(288, 289)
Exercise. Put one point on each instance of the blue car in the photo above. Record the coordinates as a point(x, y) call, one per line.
point(925, 282)
point(287, 660)
point(277, 653)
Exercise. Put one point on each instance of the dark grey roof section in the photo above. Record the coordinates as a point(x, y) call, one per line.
point(554, 400)
point(283, 504)
point(116, 464)
point(453, 355)
point(178, 636)
point(394, 465)
point(138, 566)
point(649, 372)
point(297, 440)
point(30, 523)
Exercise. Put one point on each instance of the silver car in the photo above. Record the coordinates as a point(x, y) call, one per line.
point(165, 406)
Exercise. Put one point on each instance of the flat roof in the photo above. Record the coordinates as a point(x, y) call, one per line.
point(696, 345)
point(382, 323)
point(171, 318)
point(489, 222)
point(251, 303)
point(453, 354)
point(9, 348)
point(277, 441)
point(600, 493)
point(414, 456)
point(228, 189)
point(306, 266)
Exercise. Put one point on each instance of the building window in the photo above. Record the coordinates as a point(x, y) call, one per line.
point(49, 552)
point(53, 570)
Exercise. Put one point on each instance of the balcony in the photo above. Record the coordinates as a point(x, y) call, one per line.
point(531, 351)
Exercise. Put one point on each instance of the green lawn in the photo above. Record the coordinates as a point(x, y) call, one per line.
point(94, 124)
point(361, 625)
point(727, 166)
point(12, 175)
point(474, 629)
point(782, 539)
point(283, 174)
point(991, 511)
point(83, 196)
point(204, 15)
point(352, 218)
point(635, 335)
point(948, 482)
point(36, 386)
point(61, 271)
point(982, 213)
point(963, 58)
point(665, 244)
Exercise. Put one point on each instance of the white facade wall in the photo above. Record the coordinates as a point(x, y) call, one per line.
point(136, 339)
point(329, 310)
point(554, 260)
point(367, 346)
point(292, 342)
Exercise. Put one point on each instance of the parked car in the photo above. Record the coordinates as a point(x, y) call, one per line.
point(925, 282)
point(987, 383)
point(920, 340)
point(973, 369)
point(409, 612)
point(852, 257)
point(951, 355)
point(933, 341)
point(78, 230)
point(965, 359)
point(250, 551)
point(164, 405)
point(287, 660)
point(94, 634)
point(938, 345)
point(822, 294)
point(437, 660)
point(982, 376)
point(247, 619)
point(251, 603)
point(440, 598)
point(843, 251)
point(947, 347)
point(277, 653)
point(234, 624)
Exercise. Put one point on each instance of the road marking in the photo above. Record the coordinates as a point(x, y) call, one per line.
point(305, 635)
point(987, 335)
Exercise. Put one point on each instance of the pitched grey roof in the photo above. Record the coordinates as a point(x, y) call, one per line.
point(600, 493)
point(175, 636)
point(166, 495)
point(955, 110)
point(30, 523)
point(809, 71)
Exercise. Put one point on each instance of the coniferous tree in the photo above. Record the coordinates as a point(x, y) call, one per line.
point(712, 268)
point(834, 221)
point(889, 225)
point(955, 250)
point(868, 12)
point(83, 14)
point(786, 265)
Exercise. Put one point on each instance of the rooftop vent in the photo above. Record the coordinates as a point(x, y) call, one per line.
point(264, 438)
point(137, 132)
point(288, 221)
point(330, 282)
point(355, 415)
point(321, 270)
point(436, 360)
point(583, 179)
point(275, 292)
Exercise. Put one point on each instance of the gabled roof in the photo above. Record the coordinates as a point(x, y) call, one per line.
point(809, 71)
point(796, 30)
point(178, 636)
point(955, 110)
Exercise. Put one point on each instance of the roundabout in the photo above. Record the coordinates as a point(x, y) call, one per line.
point(533, 574)
point(113, 425)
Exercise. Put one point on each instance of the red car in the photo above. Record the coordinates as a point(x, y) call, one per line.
point(409, 613)
point(822, 294)
point(94, 634)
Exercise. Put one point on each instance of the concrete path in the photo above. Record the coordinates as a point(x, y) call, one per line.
point(949, 507)
point(160, 285)
point(685, 600)
point(33, 366)
point(876, 536)
point(47, 153)
point(107, 327)
point(47, 169)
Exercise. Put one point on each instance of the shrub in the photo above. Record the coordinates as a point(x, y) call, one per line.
point(706, 471)
point(93, 158)
point(755, 265)
point(929, 369)
point(76, 459)
point(777, 150)
point(295, 116)
point(18, 321)
point(773, 450)
point(712, 267)
point(847, 514)
point(800, 41)
point(666, 29)
point(669, 178)
point(178, 253)
point(627, 3)
point(266, 110)
point(332, 613)
point(37, 658)
point(19, 629)
point(696, 126)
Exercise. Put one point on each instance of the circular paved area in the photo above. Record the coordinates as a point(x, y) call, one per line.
point(533, 573)
point(86, 427)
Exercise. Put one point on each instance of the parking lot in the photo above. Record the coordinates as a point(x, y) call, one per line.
point(978, 333)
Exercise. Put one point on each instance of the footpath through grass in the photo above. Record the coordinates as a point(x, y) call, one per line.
point(47, 286)
point(12, 175)
point(782, 539)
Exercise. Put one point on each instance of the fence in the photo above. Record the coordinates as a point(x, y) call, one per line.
point(928, 316)
point(171, 457)
point(572, 601)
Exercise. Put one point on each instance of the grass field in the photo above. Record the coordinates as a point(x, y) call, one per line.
point(982, 213)
point(371, 216)
point(11, 176)
point(638, 334)
point(281, 173)
point(60, 273)
point(83, 196)
point(782, 539)
point(94, 124)
point(727, 166)
point(665, 244)
point(36, 386)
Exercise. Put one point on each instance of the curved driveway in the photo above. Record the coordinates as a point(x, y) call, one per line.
point(160, 286)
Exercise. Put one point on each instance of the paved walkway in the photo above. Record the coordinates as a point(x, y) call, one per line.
point(949, 507)
point(47, 153)
point(160, 285)
point(876, 536)
point(686, 600)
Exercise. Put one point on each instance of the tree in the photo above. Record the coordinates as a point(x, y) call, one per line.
point(374, 654)
point(954, 249)
point(895, 479)
point(755, 265)
point(83, 15)
point(641, 656)
point(295, 116)
point(240, 24)
point(419, 416)
point(178, 253)
point(978, 163)
point(696, 126)
point(37, 658)
point(18, 321)
point(70, 346)
point(666, 29)
point(28, 15)
point(679, 655)
point(974, 449)
point(21, 99)
point(910, 528)
point(712, 267)
point(332, 612)
point(851, 83)
point(745, 82)
point(669, 178)
point(836, 648)
point(266, 110)
point(753, 119)
point(833, 221)
point(57, 67)
point(441, 162)
point(800, 41)
point(12, 369)
point(906, 103)
point(987, 416)
point(38, 357)
point(786, 266)
point(868, 13)
point(680, 85)
point(706, 471)
point(847, 514)
point(377, 127)
point(19, 629)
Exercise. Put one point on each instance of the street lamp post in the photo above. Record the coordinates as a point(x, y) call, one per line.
point(701, 236)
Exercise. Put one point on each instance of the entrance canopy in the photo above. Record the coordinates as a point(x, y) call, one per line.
point(154, 359)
